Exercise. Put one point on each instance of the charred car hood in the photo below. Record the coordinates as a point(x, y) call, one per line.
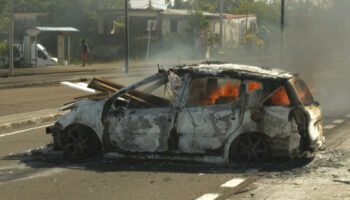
point(85, 112)
point(83, 104)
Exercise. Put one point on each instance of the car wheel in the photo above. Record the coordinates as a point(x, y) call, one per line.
point(80, 142)
point(250, 149)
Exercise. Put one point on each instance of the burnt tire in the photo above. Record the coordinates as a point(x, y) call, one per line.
point(80, 142)
point(250, 149)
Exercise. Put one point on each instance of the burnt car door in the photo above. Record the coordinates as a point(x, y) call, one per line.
point(277, 107)
point(135, 118)
point(209, 115)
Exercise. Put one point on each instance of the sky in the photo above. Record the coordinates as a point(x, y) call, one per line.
point(144, 3)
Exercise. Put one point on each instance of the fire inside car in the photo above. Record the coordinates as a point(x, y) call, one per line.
point(217, 113)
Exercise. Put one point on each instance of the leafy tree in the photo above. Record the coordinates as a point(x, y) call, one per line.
point(267, 11)
point(4, 19)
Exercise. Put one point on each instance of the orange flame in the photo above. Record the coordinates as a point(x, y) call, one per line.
point(228, 90)
point(280, 98)
point(254, 85)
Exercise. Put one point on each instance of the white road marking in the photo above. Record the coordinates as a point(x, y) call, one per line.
point(338, 121)
point(329, 126)
point(347, 116)
point(209, 196)
point(200, 174)
point(25, 130)
point(233, 182)
point(41, 174)
point(79, 86)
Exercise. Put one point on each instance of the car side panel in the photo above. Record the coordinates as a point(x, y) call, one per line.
point(205, 128)
point(138, 130)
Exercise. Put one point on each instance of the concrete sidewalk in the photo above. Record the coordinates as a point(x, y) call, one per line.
point(119, 66)
point(35, 76)
point(29, 71)
point(29, 118)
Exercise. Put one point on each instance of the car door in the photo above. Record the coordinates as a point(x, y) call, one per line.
point(137, 119)
point(210, 114)
point(277, 109)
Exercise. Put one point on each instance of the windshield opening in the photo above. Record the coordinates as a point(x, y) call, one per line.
point(154, 91)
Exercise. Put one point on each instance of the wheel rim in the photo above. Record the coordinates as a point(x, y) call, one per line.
point(78, 143)
point(251, 149)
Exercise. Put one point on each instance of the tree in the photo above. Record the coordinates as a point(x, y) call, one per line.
point(4, 19)
point(266, 11)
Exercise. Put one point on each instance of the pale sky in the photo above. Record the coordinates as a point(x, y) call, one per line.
point(144, 3)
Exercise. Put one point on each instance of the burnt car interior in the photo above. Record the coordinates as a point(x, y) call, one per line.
point(304, 93)
point(158, 93)
point(213, 91)
point(278, 97)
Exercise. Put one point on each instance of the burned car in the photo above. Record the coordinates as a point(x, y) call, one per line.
point(210, 112)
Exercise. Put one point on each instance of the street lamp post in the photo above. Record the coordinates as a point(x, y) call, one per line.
point(221, 23)
point(126, 68)
point(282, 30)
point(282, 14)
point(11, 39)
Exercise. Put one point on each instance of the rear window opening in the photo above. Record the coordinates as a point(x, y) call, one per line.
point(279, 98)
point(303, 93)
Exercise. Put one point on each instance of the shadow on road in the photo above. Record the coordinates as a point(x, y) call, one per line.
point(103, 165)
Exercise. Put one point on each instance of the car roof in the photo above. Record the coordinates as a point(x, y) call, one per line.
point(235, 70)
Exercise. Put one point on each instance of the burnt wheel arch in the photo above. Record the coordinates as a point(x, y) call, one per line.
point(80, 142)
point(301, 120)
point(250, 148)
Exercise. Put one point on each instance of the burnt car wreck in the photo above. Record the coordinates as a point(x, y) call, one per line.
point(217, 113)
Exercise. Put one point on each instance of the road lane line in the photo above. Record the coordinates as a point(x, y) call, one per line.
point(25, 130)
point(48, 110)
point(209, 196)
point(329, 126)
point(233, 182)
point(338, 121)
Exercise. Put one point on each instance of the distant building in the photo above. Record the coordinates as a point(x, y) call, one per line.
point(234, 28)
point(175, 21)
point(29, 18)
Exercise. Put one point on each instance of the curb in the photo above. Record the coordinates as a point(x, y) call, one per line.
point(39, 83)
point(31, 121)
point(57, 81)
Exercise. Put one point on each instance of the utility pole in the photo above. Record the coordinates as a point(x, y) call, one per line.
point(282, 30)
point(282, 14)
point(11, 39)
point(221, 24)
point(150, 4)
point(126, 68)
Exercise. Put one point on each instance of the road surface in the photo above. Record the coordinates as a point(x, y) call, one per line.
point(23, 176)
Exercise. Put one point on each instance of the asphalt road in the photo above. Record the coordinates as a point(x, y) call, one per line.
point(23, 176)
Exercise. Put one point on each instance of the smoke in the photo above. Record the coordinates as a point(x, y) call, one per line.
point(317, 46)
point(173, 52)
